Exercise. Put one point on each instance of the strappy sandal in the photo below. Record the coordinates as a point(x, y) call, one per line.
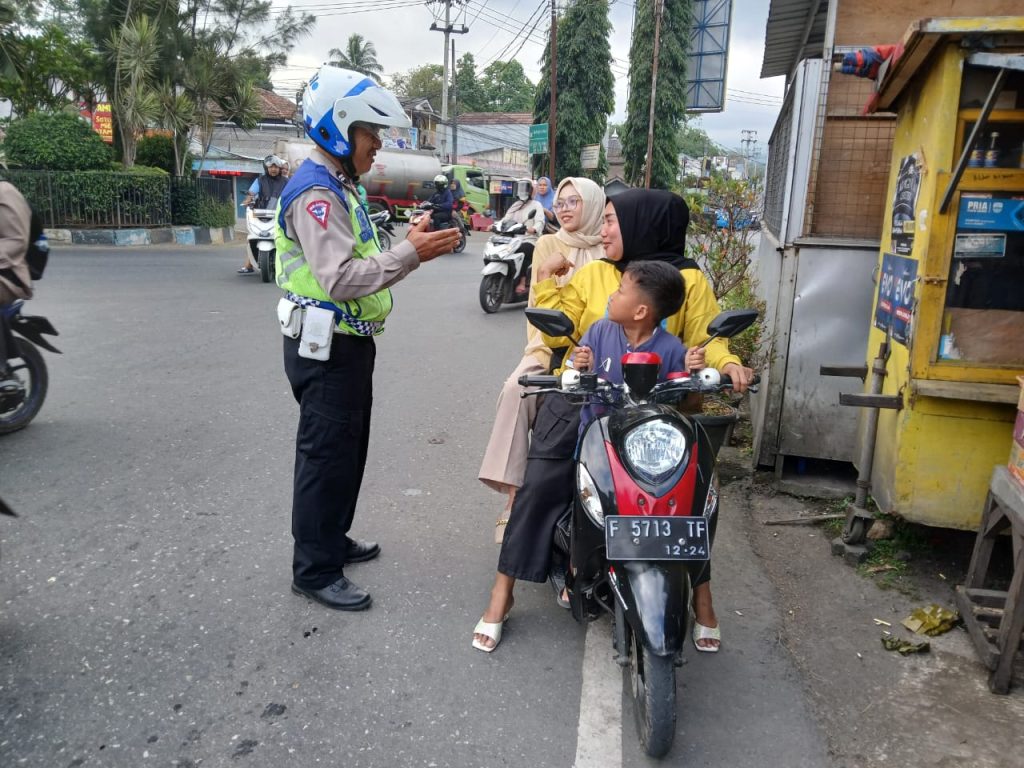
point(700, 632)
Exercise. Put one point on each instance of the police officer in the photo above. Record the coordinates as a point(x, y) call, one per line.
point(336, 281)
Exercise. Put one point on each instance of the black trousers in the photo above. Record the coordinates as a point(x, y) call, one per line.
point(335, 397)
point(527, 249)
point(547, 490)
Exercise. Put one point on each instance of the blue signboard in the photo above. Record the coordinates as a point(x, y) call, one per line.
point(991, 213)
point(895, 305)
point(709, 51)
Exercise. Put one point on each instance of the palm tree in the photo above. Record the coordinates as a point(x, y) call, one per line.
point(359, 55)
point(134, 48)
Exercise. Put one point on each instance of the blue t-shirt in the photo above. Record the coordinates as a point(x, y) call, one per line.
point(607, 342)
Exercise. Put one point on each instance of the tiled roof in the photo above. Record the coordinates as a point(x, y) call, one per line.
point(496, 118)
point(274, 106)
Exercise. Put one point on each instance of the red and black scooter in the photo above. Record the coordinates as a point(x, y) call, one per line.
point(642, 522)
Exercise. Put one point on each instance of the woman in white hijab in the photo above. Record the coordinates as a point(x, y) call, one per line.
point(579, 206)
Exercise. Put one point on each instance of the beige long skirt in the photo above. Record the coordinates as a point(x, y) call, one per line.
point(504, 462)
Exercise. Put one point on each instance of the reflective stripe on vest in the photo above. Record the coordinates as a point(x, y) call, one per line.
point(360, 317)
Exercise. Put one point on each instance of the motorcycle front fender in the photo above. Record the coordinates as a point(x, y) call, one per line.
point(32, 328)
point(656, 599)
point(265, 245)
point(495, 268)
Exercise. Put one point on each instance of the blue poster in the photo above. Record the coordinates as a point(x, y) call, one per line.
point(895, 305)
point(991, 213)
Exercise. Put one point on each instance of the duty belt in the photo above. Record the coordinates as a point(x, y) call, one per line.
point(361, 327)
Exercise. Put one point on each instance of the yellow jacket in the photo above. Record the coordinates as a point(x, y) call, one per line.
point(585, 300)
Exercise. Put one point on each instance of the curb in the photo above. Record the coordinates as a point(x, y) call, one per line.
point(139, 236)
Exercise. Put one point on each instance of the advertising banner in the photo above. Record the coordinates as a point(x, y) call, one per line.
point(895, 305)
point(103, 122)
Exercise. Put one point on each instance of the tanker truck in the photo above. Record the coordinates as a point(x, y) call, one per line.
point(398, 180)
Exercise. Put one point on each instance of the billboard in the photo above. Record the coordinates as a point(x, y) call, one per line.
point(709, 49)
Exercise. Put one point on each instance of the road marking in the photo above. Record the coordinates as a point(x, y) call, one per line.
point(599, 737)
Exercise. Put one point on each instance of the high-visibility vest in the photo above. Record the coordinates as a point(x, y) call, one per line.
point(360, 317)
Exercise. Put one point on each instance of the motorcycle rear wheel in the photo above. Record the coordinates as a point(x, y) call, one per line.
point(28, 366)
point(266, 266)
point(462, 242)
point(492, 292)
point(652, 682)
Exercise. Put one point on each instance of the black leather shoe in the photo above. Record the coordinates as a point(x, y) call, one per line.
point(361, 551)
point(342, 595)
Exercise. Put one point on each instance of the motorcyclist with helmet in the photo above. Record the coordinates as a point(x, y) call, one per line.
point(443, 202)
point(336, 281)
point(526, 210)
point(264, 193)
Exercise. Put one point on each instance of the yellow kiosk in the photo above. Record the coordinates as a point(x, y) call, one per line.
point(947, 335)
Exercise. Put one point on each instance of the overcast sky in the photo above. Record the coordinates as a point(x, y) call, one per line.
point(400, 30)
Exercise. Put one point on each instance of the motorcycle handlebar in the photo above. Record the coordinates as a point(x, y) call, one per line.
point(545, 382)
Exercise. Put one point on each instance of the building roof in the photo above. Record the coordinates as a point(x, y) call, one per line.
point(275, 107)
point(496, 118)
point(795, 31)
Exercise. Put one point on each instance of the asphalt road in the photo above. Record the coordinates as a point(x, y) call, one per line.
point(145, 611)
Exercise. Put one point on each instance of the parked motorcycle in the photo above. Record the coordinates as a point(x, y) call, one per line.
point(503, 267)
point(260, 224)
point(20, 404)
point(642, 524)
point(425, 209)
point(385, 229)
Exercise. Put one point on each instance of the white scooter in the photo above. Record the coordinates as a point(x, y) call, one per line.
point(260, 223)
point(503, 267)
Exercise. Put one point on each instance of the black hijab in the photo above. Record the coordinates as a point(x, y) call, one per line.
point(653, 224)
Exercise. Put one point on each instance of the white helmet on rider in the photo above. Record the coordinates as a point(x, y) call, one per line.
point(440, 182)
point(272, 160)
point(337, 99)
point(524, 189)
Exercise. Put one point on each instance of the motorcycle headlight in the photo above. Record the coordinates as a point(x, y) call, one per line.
point(654, 450)
point(712, 498)
point(588, 496)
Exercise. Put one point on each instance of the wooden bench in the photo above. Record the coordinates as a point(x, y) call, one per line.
point(995, 620)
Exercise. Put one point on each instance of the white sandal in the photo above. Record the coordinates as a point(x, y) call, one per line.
point(492, 631)
point(700, 632)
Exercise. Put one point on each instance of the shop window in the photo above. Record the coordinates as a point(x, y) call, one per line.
point(983, 321)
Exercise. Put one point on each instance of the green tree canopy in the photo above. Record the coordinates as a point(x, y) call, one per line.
point(423, 82)
point(47, 69)
point(585, 88)
point(470, 96)
point(359, 55)
point(670, 104)
point(55, 142)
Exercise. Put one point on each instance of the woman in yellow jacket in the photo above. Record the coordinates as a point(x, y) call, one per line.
point(638, 224)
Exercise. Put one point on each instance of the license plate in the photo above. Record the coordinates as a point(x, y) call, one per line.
point(656, 538)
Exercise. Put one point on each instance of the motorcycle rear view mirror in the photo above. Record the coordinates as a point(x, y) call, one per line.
point(730, 323)
point(551, 322)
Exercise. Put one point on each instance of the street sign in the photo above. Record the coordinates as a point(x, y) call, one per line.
point(590, 156)
point(539, 139)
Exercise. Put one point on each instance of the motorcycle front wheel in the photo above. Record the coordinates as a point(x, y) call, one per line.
point(266, 266)
point(462, 242)
point(28, 366)
point(491, 293)
point(385, 240)
point(652, 682)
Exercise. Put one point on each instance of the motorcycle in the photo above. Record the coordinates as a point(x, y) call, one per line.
point(640, 529)
point(425, 209)
point(260, 224)
point(385, 229)
point(503, 267)
point(20, 404)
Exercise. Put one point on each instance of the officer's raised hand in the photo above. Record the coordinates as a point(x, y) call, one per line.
point(430, 245)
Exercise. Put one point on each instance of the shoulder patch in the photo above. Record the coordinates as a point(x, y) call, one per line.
point(319, 210)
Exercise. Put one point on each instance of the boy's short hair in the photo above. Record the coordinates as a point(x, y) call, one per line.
point(661, 283)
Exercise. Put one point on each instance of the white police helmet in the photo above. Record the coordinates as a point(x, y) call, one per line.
point(336, 99)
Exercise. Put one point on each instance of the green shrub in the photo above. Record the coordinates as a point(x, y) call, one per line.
point(191, 205)
point(157, 150)
point(55, 142)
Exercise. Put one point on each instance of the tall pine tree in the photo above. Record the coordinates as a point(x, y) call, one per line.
point(585, 88)
point(670, 101)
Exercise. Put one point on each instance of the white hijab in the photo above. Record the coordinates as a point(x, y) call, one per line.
point(584, 243)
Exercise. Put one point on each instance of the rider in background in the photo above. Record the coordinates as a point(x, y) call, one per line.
point(264, 192)
point(526, 210)
point(443, 202)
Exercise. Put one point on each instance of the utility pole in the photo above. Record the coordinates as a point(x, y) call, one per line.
point(659, 7)
point(448, 29)
point(749, 139)
point(552, 111)
point(455, 110)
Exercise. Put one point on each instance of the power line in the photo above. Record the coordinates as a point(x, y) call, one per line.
point(539, 10)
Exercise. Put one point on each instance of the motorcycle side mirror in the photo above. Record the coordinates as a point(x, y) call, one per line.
point(551, 322)
point(730, 323)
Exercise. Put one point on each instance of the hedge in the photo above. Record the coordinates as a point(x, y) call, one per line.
point(55, 142)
